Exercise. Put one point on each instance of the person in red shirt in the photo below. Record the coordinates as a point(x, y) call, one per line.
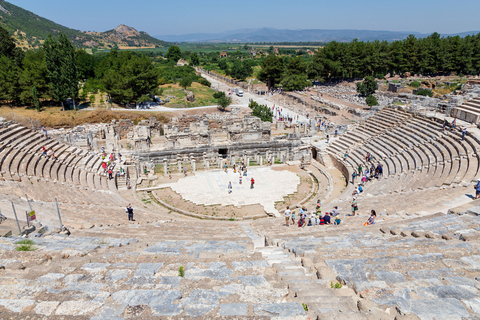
point(252, 182)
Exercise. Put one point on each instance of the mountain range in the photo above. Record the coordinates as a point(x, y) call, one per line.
point(305, 35)
point(29, 30)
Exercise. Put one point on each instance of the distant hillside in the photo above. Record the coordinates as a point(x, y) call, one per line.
point(286, 35)
point(30, 30)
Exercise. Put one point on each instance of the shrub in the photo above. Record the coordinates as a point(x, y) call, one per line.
point(181, 272)
point(424, 92)
point(371, 101)
point(204, 82)
point(415, 84)
point(219, 94)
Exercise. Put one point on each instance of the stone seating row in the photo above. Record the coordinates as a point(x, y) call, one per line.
point(424, 267)
point(21, 155)
point(417, 150)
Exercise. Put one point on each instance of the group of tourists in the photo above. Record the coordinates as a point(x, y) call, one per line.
point(49, 153)
point(242, 172)
point(312, 218)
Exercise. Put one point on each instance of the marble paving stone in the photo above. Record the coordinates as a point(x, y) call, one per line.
point(233, 309)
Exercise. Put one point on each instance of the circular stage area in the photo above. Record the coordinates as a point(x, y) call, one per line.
point(211, 187)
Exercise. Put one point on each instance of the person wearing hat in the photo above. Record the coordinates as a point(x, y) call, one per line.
point(326, 219)
point(354, 205)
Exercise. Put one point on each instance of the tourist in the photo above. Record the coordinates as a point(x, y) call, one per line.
point(293, 217)
point(44, 151)
point(454, 124)
point(337, 221)
point(354, 206)
point(185, 171)
point(336, 133)
point(170, 175)
point(119, 157)
point(240, 179)
point(345, 156)
point(112, 157)
point(145, 170)
point(371, 219)
point(129, 210)
point(287, 216)
point(360, 188)
point(252, 182)
point(464, 132)
point(319, 206)
point(477, 190)
point(445, 123)
point(128, 183)
point(234, 168)
point(226, 168)
point(326, 219)
point(45, 132)
point(328, 138)
point(110, 173)
point(313, 219)
point(360, 170)
point(52, 154)
point(354, 175)
point(229, 187)
point(355, 192)
point(335, 211)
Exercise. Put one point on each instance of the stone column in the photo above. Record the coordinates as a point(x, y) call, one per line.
point(273, 158)
point(207, 164)
point(194, 166)
point(232, 160)
point(261, 161)
point(180, 166)
point(247, 162)
point(165, 167)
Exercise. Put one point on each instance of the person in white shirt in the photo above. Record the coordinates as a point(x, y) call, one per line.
point(287, 216)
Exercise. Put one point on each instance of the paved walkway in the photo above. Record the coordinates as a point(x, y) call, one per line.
point(210, 188)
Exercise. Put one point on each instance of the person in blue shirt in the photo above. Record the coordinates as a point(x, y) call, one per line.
point(477, 190)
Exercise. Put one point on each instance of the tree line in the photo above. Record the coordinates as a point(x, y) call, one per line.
point(57, 72)
point(433, 55)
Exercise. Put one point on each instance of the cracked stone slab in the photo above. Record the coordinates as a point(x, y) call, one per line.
point(233, 309)
point(46, 308)
point(16, 305)
point(149, 297)
point(77, 308)
point(51, 277)
point(282, 310)
point(147, 269)
point(254, 281)
point(166, 309)
point(95, 267)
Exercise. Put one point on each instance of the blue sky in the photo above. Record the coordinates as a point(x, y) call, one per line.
point(193, 16)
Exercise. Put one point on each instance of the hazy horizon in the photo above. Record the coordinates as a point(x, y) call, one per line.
point(209, 16)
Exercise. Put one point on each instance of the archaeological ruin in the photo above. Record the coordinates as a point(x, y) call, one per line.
point(208, 236)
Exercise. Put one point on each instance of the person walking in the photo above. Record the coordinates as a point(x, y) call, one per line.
point(45, 132)
point(252, 182)
point(464, 132)
point(229, 187)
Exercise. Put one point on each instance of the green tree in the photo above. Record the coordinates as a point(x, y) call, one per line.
point(271, 70)
point(174, 53)
point(218, 94)
point(367, 87)
point(127, 76)
point(9, 84)
point(261, 111)
point(7, 45)
point(371, 100)
point(223, 102)
point(36, 102)
point(222, 64)
point(195, 61)
point(295, 76)
point(85, 65)
point(240, 70)
point(185, 83)
point(62, 71)
point(34, 73)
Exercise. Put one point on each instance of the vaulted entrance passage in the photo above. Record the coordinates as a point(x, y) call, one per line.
point(223, 152)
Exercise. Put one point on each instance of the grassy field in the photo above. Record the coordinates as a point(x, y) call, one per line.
point(203, 96)
point(54, 117)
